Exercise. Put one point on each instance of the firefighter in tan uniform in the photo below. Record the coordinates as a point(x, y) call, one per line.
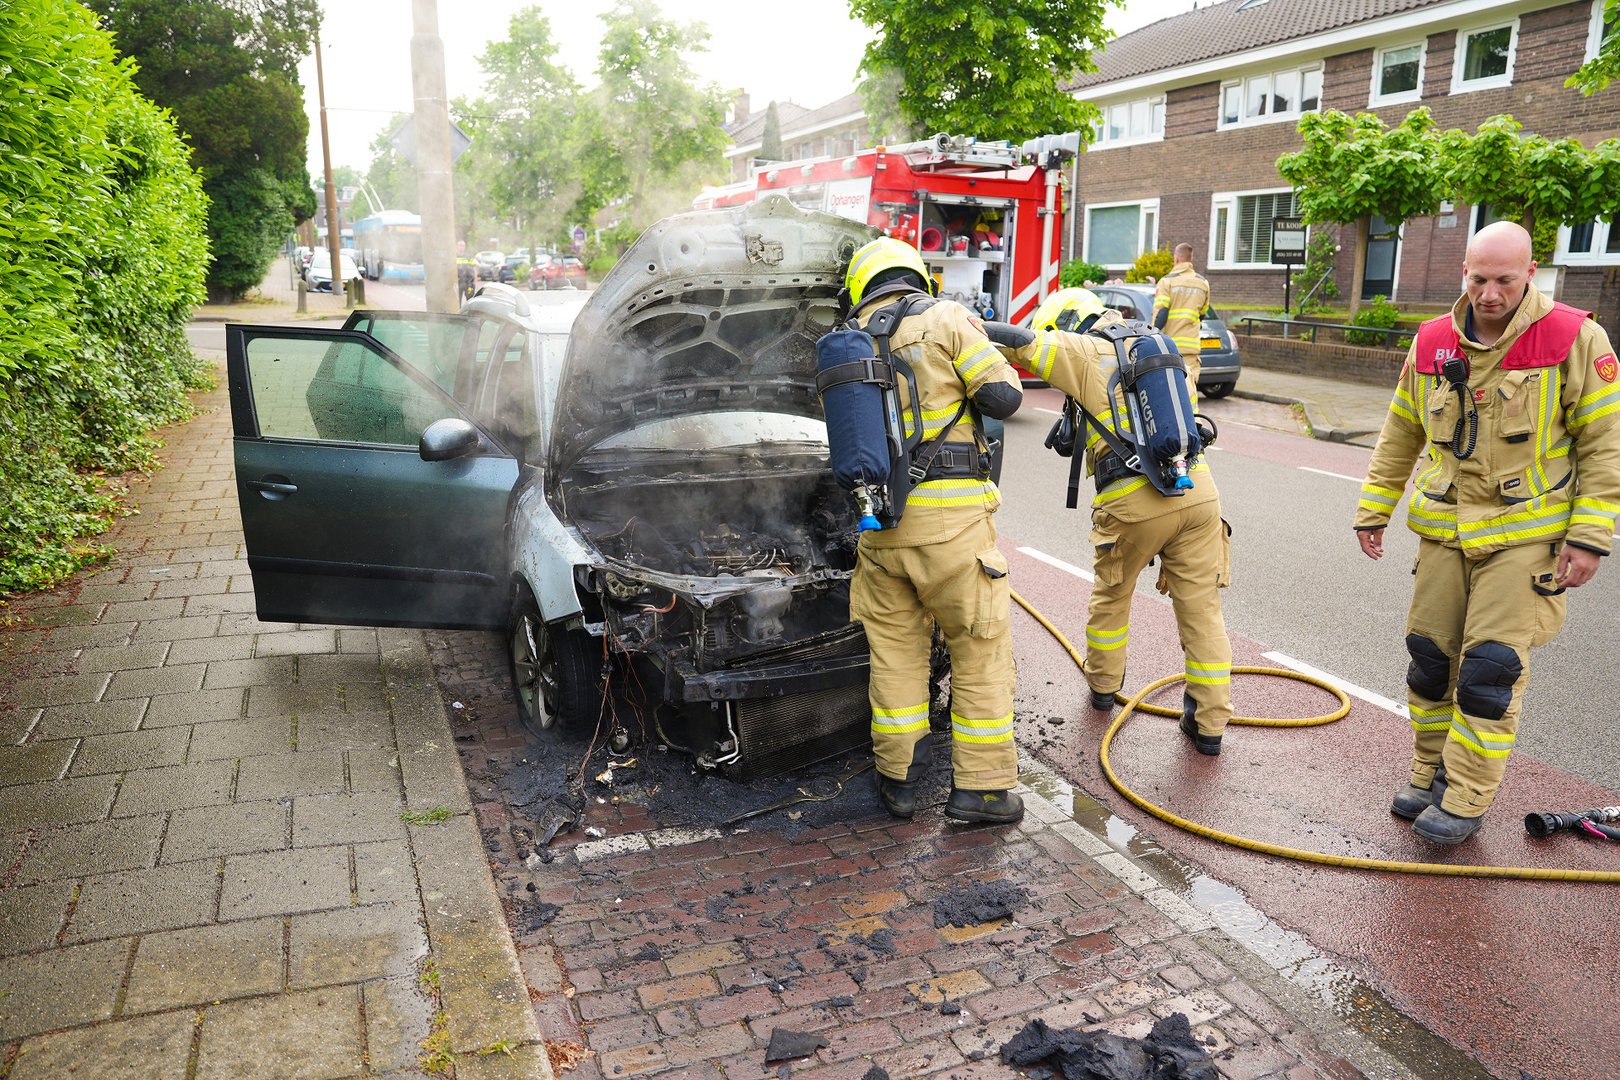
point(1132, 523)
point(1512, 404)
point(939, 564)
point(1179, 301)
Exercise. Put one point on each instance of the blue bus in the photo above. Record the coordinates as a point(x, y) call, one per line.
point(389, 246)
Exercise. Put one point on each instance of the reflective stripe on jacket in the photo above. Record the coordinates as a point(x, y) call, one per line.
point(952, 359)
point(1545, 464)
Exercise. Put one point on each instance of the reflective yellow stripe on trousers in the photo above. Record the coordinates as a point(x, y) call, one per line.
point(900, 721)
point(982, 731)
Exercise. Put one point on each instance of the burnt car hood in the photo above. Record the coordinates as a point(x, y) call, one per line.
point(710, 311)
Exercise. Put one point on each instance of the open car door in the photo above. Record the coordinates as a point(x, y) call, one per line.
point(346, 519)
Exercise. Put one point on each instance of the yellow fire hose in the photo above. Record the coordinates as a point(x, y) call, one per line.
point(1136, 704)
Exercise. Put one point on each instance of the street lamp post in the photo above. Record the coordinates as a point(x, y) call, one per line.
point(334, 241)
point(433, 156)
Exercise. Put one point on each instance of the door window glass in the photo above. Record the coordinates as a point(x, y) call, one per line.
point(431, 346)
point(337, 391)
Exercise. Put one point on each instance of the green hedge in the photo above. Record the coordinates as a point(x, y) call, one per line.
point(102, 255)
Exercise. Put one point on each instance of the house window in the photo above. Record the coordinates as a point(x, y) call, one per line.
point(1240, 226)
point(1484, 58)
point(1602, 28)
point(1398, 75)
point(1590, 243)
point(1274, 95)
point(1117, 233)
point(1129, 122)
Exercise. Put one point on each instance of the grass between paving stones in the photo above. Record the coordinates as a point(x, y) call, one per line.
point(436, 816)
point(499, 1046)
point(436, 1056)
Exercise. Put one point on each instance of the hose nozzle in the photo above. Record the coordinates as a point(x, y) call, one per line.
point(1542, 825)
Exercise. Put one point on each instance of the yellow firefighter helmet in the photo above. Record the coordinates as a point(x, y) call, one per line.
point(1066, 309)
point(884, 253)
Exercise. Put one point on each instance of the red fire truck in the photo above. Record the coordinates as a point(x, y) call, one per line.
point(986, 216)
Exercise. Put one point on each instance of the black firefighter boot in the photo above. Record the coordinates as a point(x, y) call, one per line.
point(1209, 745)
point(1102, 702)
point(1439, 827)
point(899, 797)
point(996, 807)
point(1411, 801)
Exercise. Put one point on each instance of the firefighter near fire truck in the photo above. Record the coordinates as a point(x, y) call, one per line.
point(905, 384)
point(1512, 401)
point(1130, 405)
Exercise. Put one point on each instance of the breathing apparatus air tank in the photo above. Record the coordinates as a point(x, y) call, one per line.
point(1154, 379)
point(863, 426)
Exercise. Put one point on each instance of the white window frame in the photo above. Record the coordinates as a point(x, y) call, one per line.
point(1225, 257)
point(1374, 98)
point(1103, 142)
point(1594, 34)
point(1460, 58)
point(1242, 83)
point(1601, 233)
point(1143, 241)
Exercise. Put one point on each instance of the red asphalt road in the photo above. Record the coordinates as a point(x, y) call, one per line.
point(1521, 974)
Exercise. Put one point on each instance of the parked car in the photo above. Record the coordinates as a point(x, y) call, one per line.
point(537, 269)
point(489, 264)
point(319, 273)
point(1219, 363)
point(632, 483)
point(564, 272)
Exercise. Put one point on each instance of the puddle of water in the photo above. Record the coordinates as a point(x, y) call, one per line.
point(1294, 958)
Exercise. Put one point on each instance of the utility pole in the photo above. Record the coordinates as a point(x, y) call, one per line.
point(334, 241)
point(433, 157)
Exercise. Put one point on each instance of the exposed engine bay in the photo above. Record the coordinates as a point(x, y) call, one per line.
point(715, 559)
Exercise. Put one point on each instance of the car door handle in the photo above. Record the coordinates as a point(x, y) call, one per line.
point(272, 488)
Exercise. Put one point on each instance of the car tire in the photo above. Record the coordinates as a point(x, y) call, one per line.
point(556, 673)
point(1216, 391)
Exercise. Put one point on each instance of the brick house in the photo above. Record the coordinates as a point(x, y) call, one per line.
point(1197, 108)
point(835, 129)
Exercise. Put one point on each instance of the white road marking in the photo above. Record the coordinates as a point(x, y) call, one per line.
point(1048, 412)
point(1348, 687)
point(1052, 560)
point(1324, 472)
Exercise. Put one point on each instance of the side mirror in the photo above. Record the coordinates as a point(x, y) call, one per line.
point(449, 438)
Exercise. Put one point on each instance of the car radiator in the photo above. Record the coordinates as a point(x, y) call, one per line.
point(783, 734)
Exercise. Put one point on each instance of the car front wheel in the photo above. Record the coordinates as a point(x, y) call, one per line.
point(1216, 391)
point(556, 673)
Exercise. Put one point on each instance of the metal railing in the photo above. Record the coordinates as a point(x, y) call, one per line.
point(1313, 327)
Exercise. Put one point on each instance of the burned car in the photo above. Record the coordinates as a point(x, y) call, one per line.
point(633, 485)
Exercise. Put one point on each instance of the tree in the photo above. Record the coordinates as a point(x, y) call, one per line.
point(1351, 168)
point(991, 70)
point(657, 134)
point(770, 140)
point(1598, 72)
point(102, 256)
point(228, 70)
point(527, 128)
point(1542, 183)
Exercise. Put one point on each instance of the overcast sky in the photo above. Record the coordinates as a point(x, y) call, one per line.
point(367, 60)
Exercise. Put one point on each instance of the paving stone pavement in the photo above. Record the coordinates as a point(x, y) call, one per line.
point(677, 951)
point(207, 864)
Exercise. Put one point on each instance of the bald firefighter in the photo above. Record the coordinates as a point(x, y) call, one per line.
point(939, 564)
point(1511, 406)
point(1179, 301)
point(1133, 523)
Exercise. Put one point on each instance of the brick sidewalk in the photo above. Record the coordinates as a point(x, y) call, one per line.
point(677, 951)
point(206, 868)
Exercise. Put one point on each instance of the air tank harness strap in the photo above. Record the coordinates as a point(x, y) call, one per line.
point(1123, 461)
